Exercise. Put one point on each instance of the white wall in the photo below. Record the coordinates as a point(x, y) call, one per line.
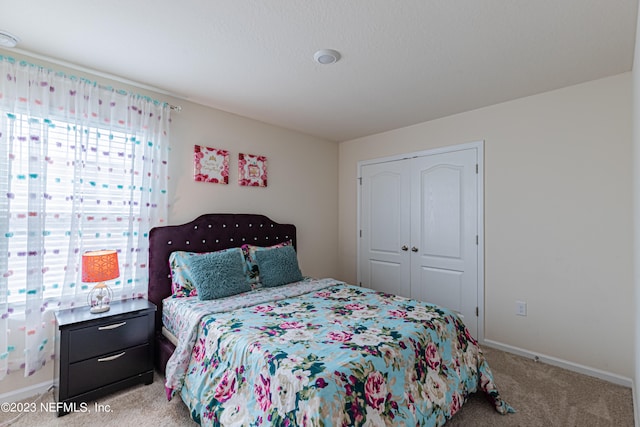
point(636, 216)
point(558, 217)
point(302, 179)
point(302, 185)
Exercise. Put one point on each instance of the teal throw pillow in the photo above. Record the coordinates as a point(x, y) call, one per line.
point(249, 252)
point(278, 266)
point(219, 274)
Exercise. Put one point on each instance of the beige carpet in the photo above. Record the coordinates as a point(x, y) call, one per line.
point(543, 395)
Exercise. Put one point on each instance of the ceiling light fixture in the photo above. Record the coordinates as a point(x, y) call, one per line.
point(7, 39)
point(326, 56)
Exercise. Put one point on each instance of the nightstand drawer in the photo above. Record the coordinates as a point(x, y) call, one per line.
point(99, 371)
point(94, 341)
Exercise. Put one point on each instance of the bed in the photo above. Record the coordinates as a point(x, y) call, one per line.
point(304, 352)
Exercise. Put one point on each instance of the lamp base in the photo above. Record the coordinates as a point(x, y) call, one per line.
point(99, 309)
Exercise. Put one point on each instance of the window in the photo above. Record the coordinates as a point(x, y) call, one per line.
point(82, 167)
point(95, 196)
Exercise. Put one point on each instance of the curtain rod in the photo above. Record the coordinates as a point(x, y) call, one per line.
point(176, 108)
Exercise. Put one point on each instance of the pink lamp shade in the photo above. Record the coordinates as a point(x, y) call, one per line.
point(99, 266)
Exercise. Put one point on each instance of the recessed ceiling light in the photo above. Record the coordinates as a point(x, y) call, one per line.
point(326, 56)
point(7, 39)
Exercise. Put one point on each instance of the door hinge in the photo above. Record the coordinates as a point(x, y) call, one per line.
point(476, 168)
point(360, 233)
point(360, 180)
point(477, 312)
point(477, 243)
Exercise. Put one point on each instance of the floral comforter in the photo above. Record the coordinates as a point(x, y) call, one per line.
point(321, 352)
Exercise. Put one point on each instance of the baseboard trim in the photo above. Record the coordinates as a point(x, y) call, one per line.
point(561, 363)
point(26, 392)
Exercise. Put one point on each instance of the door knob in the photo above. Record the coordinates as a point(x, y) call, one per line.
point(414, 249)
point(404, 248)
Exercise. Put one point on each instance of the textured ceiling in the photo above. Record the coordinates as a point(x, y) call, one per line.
point(403, 62)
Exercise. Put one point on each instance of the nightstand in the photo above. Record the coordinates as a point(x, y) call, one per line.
point(97, 354)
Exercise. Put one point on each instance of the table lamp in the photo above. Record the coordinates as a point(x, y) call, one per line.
point(97, 267)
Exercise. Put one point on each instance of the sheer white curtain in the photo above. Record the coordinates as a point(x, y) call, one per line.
point(82, 167)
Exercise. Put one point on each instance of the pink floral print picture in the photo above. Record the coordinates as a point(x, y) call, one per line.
point(211, 165)
point(252, 170)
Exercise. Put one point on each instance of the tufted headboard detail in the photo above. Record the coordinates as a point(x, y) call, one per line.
point(207, 233)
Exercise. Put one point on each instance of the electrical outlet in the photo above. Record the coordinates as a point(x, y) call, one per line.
point(521, 308)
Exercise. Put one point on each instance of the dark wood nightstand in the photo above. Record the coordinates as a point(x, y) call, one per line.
point(97, 354)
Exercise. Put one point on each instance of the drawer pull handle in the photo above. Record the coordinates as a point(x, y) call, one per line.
point(115, 325)
point(110, 358)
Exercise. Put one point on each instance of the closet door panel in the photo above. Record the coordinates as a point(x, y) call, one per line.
point(384, 222)
point(444, 263)
point(384, 277)
point(441, 211)
point(444, 286)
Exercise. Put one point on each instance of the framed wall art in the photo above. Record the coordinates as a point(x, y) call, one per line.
point(252, 170)
point(211, 165)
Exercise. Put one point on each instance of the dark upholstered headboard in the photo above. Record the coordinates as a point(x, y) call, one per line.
point(209, 232)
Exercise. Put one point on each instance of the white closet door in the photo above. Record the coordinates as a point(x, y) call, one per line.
point(385, 208)
point(444, 229)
